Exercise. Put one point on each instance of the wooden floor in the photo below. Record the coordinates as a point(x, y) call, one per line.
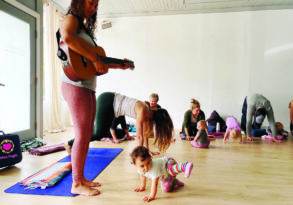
point(258, 173)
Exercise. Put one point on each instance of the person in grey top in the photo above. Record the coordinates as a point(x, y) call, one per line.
point(255, 108)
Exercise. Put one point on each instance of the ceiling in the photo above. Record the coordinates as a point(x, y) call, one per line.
point(120, 8)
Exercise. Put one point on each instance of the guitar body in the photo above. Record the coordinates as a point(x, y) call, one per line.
point(78, 67)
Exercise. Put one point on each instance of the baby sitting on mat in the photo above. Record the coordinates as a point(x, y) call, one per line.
point(202, 139)
point(164, 169)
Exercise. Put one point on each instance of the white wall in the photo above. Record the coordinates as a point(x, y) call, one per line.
point(217, 58)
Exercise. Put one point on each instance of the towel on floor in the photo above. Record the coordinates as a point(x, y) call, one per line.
point(47, 177)
point(31, 143)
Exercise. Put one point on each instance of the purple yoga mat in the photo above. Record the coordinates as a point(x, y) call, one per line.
point(47, 149)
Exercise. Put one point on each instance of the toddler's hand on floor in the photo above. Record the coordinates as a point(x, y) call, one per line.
point(139, 189)
point(148, 198)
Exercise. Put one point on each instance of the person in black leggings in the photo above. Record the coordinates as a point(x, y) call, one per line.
point(106, 124)
point(113, 105)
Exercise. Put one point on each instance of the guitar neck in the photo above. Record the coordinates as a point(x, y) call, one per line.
point(109, 60)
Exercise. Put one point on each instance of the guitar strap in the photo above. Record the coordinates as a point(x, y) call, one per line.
point(60, 53)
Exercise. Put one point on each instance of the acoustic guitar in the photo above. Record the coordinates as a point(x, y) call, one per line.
point(77, 67)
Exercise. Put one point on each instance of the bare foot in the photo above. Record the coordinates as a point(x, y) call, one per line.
point(130, 138)
point(91, 183)
point(115, 141)
point(67, 148)
point(82, 189)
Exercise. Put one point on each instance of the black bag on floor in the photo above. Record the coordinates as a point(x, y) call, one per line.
point(10, 152)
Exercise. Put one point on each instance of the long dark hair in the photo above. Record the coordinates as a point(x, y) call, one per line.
point(76, 8)
point(163, 129)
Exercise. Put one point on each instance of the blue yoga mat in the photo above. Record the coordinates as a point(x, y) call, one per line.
point(97, 160)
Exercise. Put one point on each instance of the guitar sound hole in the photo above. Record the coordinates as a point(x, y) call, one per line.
point(84, 61)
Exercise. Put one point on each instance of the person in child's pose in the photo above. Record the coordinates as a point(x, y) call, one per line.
point(164, 169)
point(201, 139)
point(233, 130)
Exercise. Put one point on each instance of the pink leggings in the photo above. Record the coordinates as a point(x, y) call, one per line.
point(82, 106)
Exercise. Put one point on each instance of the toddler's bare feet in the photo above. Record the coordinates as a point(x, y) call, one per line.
point(82, 189)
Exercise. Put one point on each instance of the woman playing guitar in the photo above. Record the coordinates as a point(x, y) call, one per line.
point(77, 31)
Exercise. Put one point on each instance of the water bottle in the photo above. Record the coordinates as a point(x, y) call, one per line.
point(218, 127)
